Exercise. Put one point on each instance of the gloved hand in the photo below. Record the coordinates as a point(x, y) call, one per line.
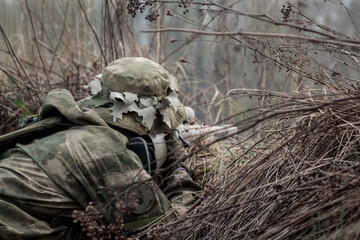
point(177, 183)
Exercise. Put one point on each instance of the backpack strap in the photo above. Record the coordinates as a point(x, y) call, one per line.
point(32, 131)
point(59, 111)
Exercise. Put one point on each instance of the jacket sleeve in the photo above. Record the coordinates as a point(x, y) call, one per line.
point(178, 185)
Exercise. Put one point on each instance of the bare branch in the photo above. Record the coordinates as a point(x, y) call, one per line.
point(340, 42)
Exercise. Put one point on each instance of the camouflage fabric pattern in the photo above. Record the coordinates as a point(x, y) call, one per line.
point(147, 79)
point(129, 122)
point(43, 180)
point(138, 75)
point(28, 198)
point(178, 186)
point(61, 101)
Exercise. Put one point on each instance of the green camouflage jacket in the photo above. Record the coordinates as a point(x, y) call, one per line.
point(69, 158)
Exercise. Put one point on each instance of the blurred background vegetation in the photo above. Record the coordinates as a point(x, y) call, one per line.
point(47, 44)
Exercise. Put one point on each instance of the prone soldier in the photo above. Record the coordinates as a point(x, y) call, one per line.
point(98, 152)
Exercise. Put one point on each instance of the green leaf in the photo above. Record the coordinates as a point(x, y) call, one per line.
point(21, 105)
point(23, 121)
point(27, 119)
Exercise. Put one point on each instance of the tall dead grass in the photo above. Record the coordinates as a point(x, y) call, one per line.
point(302, 183)
point(61, 44)
point(298, 175)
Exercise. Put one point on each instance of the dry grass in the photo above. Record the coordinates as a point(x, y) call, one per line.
point(61, 44)
point(292, 169)
point(301, 183)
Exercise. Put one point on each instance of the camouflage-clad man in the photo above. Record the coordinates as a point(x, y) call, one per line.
point(80, 153)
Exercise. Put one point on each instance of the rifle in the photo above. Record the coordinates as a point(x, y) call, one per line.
point(188, 133)
point(196, 131)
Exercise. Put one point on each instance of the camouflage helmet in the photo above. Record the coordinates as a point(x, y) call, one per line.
point(136, 94)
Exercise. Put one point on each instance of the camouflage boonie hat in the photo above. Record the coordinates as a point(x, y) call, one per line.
point(136, 94)
point(138, 75)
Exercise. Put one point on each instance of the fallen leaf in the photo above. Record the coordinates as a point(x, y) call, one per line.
point(173, 84)
point(130, 98)
point(94, 85)
point(148, 116)
point(166, 117)
point(117, 97)
point(174, 101)
point(146, 102)
point(119, 108)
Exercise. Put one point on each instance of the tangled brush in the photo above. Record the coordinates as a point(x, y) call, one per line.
point(303, 181)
